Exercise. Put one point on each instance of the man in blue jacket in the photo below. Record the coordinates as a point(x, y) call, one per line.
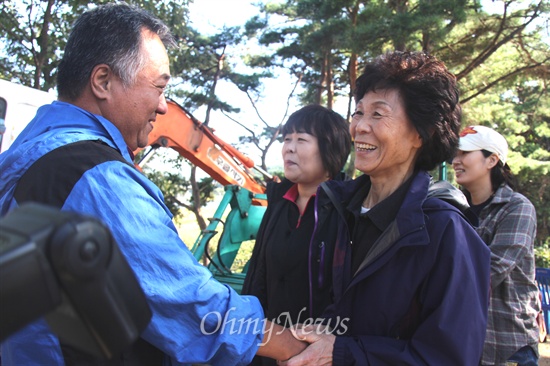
point(76, 155)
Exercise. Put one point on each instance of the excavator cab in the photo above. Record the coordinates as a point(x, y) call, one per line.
point(241, 223)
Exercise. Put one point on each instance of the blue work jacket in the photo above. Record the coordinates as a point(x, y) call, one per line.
point(421, 294)
point(192, 312)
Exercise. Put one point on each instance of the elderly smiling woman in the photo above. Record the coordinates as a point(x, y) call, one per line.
point(410, 274)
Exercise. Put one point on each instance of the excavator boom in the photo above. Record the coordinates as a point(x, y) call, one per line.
point(179, 130)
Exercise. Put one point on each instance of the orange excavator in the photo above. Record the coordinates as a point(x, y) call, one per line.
point(179, 130)
point(244, 202)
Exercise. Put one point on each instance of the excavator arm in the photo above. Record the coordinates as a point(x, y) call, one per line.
point(243, 205)
point(179, 130)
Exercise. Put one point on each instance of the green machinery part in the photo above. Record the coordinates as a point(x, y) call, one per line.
point(239, 219)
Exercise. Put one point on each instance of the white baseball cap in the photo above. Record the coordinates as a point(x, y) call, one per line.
point(474, 138)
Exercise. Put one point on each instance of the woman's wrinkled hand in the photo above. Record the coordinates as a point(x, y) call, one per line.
point(319, 351)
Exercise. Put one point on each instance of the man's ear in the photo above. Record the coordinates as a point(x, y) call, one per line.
point(101, 81)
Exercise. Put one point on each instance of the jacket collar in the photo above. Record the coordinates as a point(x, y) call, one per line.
point(410, 216)
point(409, 222)
point(503, 195)
point(276, 190)
point(54, 125)
point(408, 228)
point(60, 123)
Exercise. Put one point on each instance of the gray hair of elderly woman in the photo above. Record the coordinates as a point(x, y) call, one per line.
point(430, 96)
point(109, 34)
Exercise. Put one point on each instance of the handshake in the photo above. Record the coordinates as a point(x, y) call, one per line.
point(312, 343)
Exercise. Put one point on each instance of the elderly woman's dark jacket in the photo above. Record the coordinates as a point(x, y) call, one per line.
point(420, 295)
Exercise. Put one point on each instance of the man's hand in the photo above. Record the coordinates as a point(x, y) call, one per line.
point(319, 351)
point(279, 342)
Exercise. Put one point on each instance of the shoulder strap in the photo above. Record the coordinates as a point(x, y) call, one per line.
point(50, 180)
point(52, 177)
point(337, 204)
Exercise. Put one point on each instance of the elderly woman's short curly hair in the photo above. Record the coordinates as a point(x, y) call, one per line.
point(430, 96)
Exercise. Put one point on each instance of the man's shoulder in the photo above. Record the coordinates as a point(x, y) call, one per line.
point(74, 159)
point(51, 178)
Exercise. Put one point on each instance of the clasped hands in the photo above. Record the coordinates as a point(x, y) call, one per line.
point(318, 352)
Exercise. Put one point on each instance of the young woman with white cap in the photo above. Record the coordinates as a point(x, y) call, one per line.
point(507, 223)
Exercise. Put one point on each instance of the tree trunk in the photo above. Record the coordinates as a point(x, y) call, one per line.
point(42, 56)
point(352, 72)
point(400, 7)
point(322, 81)
point(330, 82)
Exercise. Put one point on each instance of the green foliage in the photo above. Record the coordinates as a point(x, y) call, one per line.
point(172, 186)
point(175, 187)
point(34, 34)
point(279, 174)
point(542, 255)
point(534, 183)
point(320, 35)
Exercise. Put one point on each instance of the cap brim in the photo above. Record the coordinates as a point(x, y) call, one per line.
point(467, 145)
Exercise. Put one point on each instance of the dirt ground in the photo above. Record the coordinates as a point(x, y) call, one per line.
point(544, 350)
